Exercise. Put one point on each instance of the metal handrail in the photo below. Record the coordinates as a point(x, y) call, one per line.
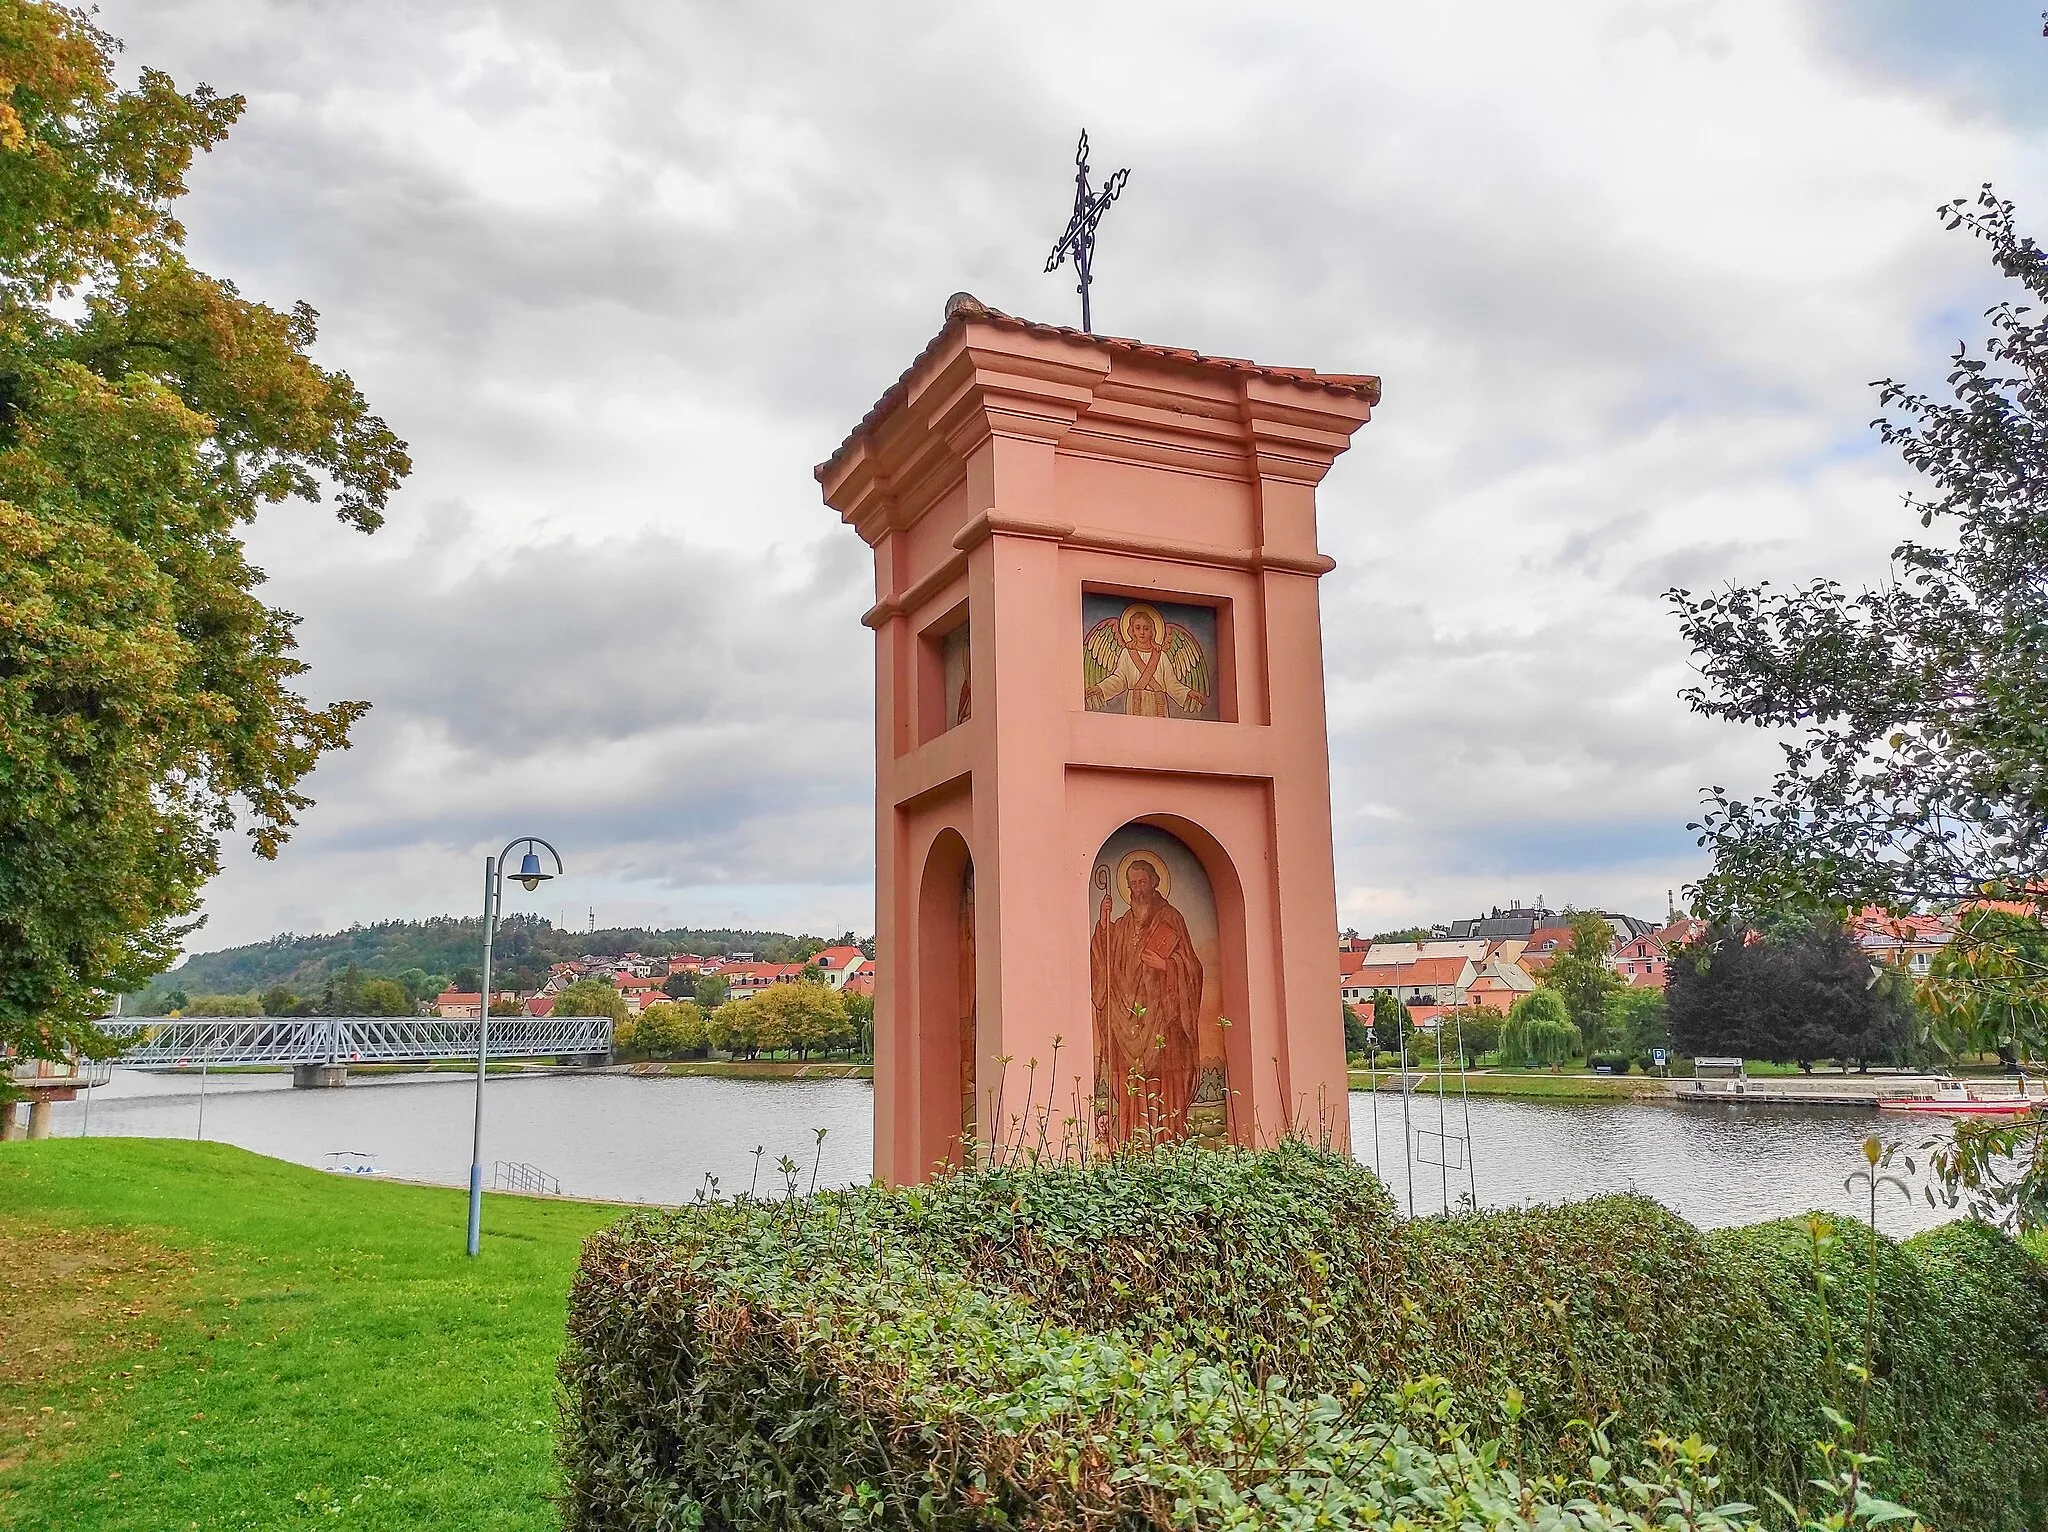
point(84, 1073)
point(518, 1176)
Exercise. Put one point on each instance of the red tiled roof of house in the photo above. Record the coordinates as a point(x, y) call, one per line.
point(760, 970)
point(1350, 960)
point(963, 308)
point(838, 957)
point(1877, 925)
point(1423, 971)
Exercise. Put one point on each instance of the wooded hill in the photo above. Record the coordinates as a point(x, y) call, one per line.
point(441, 948)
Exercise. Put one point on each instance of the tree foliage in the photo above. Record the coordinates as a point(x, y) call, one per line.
point(1477, 1027)
point(1638, 1019)
point(1390, 1021)
point(1987, 990)
point(665, 1030)
point(860, 1016)
point(1799, 991)
point(1997, 1169)
point(1919, 768)
point(590, 997)
point(147, 412)
point(1357, 1033)
point(1581, 977)
point(1539, 1031)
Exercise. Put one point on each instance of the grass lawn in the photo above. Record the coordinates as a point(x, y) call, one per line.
point(196, 1337)
point(1535, 1085)
point(759, 1069)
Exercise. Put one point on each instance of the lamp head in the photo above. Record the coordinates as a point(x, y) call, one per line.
point(529, 872)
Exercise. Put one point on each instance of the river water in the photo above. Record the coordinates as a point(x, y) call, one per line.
point(657, 1139)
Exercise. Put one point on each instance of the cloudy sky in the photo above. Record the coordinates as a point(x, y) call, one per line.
point(622, 273)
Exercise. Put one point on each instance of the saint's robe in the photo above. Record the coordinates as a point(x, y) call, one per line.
point(1147, 993)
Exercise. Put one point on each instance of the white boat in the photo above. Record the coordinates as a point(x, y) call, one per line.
point(1956, 1099)
point(353, 1162)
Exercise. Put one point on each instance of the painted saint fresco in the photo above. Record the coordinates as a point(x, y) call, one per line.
point(1148, 659)
point(1155, 988)
point(956, 652)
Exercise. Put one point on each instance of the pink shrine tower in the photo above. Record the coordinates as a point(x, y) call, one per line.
point(1105, 899)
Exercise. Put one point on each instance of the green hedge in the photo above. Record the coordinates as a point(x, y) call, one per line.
point(1190, 1338)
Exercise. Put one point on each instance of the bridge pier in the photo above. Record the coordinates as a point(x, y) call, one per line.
point(319, 1076)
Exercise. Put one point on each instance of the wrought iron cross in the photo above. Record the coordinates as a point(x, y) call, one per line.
point(1079, 240)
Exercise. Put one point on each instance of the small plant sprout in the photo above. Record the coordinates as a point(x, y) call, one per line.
point(1877, 1160)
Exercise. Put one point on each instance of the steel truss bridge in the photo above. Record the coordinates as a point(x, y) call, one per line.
point(173, 1042)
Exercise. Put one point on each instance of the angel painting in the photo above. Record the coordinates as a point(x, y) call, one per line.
point(1158, 665)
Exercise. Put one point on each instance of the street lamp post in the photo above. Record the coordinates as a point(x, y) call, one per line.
point(532, 876)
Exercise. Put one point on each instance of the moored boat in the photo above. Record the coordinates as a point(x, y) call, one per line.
point(1960, 1100)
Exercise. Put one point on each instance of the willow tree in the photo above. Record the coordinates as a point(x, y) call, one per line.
point(148, 412)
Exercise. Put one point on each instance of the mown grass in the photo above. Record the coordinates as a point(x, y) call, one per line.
point(1535, 1086)
point(758, 1069)
point(223, 1340)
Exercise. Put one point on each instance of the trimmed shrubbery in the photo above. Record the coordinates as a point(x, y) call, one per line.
point(1191, 1338)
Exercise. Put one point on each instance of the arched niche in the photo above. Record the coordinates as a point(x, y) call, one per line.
point(946, 1039)
point(1166, 977)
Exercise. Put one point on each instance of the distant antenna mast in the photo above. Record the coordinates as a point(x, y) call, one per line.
point(1079, 239)
point(593, 920)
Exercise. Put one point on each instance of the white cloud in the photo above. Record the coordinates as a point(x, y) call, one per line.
point(622, 274)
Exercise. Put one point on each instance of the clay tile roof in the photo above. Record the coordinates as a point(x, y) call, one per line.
point(964, 307)
point(1430, 970)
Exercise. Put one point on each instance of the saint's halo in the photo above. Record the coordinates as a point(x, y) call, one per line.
point(1151, 858)
point(1123, 623)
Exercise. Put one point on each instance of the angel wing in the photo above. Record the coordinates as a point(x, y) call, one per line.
point(1103, 650)
point(1185, 658)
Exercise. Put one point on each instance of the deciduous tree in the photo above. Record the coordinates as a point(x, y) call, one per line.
point(860, 1015)
point(1987, 990)
point(1918, 773)
point(1638, 1020)
point(147, 412)
point(801, 1018)
point(735, 1028)
point(1357, 1033)
point(668, 1030)
point(1581, 977)
point(1390, 1021)
point(1796, 992)
point(1539, 1031)
point(590, 997)
point(386, 997)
